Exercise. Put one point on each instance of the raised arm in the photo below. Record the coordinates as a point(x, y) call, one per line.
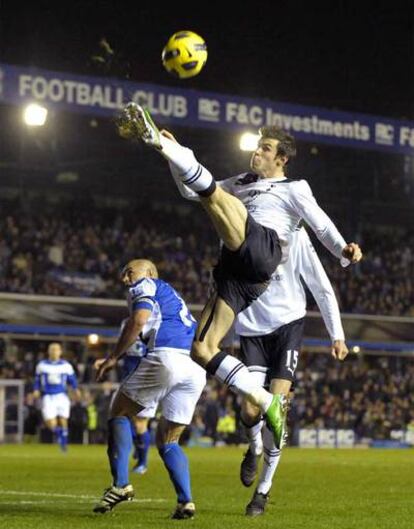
point(306, 206)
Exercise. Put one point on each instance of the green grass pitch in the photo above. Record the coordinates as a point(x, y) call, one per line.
point(41, 488)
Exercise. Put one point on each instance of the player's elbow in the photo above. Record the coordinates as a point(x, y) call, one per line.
point(322, 297)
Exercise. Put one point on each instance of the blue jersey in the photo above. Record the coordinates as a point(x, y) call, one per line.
point(132, 356)
point(170, 325)
point(52, 377)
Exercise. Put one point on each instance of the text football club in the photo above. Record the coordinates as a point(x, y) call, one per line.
point(192, 108)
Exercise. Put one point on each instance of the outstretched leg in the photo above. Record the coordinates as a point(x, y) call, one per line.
point(227, 213)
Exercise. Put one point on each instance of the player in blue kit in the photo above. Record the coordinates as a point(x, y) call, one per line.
point(139, 424)
point(166, 376)
point(53, 375)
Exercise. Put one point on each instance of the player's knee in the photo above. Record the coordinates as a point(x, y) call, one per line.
point(200, 353)
point(161, 441)
point(165, 436)
point(218, 199)
point(160, 445)
point(141, 425)
point(51, 424)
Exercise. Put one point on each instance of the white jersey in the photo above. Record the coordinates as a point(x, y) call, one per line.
point(284, 300)
point(279, 204)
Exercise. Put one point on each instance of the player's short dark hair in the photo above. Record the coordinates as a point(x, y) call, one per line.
point(287, 144)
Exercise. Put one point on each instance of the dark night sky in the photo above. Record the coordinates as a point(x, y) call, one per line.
point(353, 55)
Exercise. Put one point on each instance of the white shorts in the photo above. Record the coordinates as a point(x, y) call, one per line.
point(55, 406)
point(168, 379)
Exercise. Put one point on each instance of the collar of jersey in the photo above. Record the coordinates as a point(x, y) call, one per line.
point(139, 281)
point(273, 179)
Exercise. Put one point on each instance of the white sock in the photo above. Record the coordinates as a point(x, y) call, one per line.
point(185, 191)
point(234, 373)
point(270, 462)
point(189, 170)
point(254, 435)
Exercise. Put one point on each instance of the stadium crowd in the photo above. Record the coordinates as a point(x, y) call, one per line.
point(383, 283)
point(79, 253)
point(371, 395)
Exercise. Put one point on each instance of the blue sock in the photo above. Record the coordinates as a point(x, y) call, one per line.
point(57, 432)
point(142, 443)
point(133, 431)
point(119, 447)
point(134, 438)
point(63, 439)
point(176, 463)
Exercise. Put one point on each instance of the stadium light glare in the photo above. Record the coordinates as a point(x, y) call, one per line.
point(93, 339)
point(35, 115)
point(248, 141)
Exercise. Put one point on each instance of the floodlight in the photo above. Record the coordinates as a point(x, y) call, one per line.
point(248, 141)
point(35, 115)
point(93, 339)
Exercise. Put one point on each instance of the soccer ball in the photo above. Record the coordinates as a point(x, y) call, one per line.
point(185, 54)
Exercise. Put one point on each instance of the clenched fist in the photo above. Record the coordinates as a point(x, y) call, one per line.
point(353, 252)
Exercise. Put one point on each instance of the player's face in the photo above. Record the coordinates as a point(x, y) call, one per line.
point(131, 275)
point(127, 276)
point(54, 351)
point(264, 161)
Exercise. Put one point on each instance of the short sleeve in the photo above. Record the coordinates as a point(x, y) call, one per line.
point(142, 294)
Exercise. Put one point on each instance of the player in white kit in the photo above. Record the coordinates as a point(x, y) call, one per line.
point(255, 215)
point(271, 332)
point(166, 375)
point(52, 377)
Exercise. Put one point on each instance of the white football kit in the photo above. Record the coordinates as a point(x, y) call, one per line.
point(271, 328)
